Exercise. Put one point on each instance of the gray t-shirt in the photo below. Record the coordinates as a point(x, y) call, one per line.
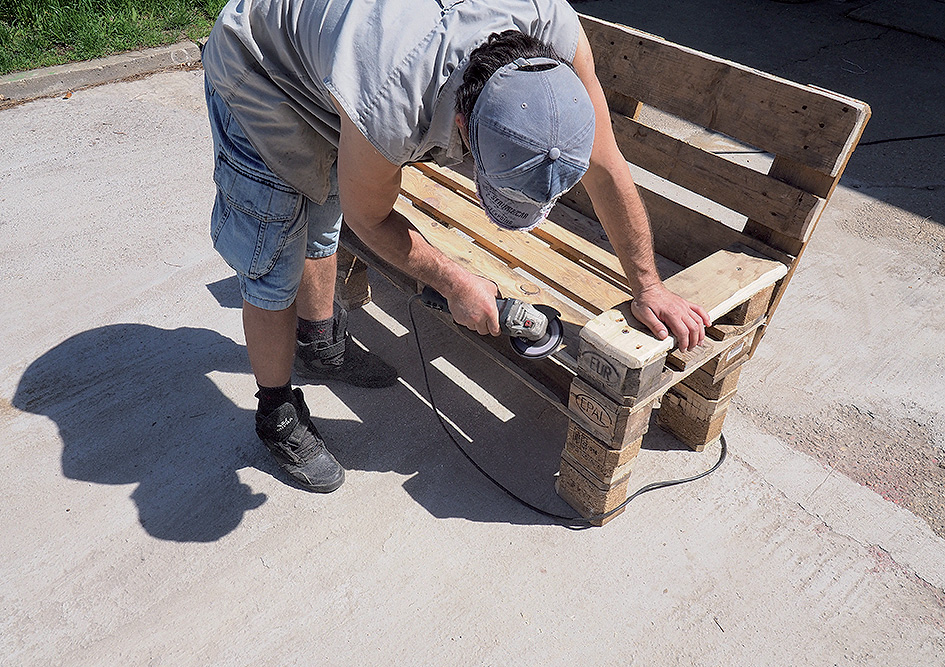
point(393, 66)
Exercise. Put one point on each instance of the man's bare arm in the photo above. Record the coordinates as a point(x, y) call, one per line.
point(623, 216)
point(368, 186)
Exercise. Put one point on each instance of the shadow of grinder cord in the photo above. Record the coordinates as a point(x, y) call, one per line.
point(573, 522)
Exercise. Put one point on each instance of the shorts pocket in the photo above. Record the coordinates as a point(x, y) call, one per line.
point(252, 218)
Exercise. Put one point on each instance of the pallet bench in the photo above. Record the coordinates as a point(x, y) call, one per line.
point(735, 167)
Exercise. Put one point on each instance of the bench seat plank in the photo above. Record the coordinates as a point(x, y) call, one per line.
point(726, 279)
point(481, 262)
point(515, 248)
point(571, 245)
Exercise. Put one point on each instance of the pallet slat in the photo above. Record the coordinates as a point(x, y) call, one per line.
point(686, 236)
point(515, 248)
point(481, 262)
point(573, 246)
point(815, 128)
point(773, 203)
point(680, 234)
point(719, 282)
point(726, 279)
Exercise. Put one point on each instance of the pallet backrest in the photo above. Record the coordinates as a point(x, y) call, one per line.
point(803, 136)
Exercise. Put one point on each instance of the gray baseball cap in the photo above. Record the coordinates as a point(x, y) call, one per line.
point(531, 133)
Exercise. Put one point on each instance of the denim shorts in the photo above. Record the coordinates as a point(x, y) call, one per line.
point(261, 226)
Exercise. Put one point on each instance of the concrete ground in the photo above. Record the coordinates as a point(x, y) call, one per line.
point(144, 524)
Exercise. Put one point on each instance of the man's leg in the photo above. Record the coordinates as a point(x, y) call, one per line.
point(270, 341)
point(325, 350)
point(316, 297)
point(258, 226)
point(282, 419)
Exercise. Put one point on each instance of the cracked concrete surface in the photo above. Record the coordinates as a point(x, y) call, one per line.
point(143, 523)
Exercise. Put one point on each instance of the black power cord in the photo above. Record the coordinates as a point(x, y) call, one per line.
point(574, 522)
point(893, 140)
point(875, 142)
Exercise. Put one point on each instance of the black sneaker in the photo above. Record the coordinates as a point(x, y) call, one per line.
point(343, 360)
point(289, 434)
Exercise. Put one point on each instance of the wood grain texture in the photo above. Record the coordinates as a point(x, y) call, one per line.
point(588, 495)
point(517, 249)
point(726, 279)
point(778, 205)
point(811, 126)
point(561, 239)
point(606, 464)
point(686, 236)
point(719, 283)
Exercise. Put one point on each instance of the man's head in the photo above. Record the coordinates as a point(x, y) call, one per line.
point(530, 126)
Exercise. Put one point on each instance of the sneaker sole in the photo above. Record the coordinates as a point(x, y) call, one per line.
point(321, 488)
point(303, 372)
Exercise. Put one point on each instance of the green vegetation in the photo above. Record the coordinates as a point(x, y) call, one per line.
point(38, 33)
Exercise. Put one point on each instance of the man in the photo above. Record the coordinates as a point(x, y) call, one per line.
point(315, 106)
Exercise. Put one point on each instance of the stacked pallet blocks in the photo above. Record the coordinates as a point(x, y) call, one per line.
point(694, 409)
point(612, 399)
point(610, 413)
point(604, 438)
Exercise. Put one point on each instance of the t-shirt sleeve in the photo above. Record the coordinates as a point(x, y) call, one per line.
point(558, 25)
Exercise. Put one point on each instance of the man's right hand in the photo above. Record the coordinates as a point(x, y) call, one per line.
point(472, 304)
point(369, 186)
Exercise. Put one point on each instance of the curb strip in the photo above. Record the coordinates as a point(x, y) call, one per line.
point(61, 79)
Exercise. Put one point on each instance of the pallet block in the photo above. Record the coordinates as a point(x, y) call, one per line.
point(588, 495)
point(618, 357)
point(750, 311)
point(736, 355)
point(696, 433)
point(615, 425)
point(604, 463)
point(694, 420)
point(708, 387)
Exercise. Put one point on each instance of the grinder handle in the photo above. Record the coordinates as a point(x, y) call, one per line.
point(433, 299)
point(514, 315)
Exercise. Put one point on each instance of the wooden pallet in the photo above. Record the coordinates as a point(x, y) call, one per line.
point(734, 199)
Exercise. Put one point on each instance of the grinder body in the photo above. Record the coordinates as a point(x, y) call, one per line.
point(535, 331)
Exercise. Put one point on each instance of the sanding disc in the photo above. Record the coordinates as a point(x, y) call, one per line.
point(547, 344)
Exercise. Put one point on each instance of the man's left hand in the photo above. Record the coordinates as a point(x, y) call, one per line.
point(659, 309)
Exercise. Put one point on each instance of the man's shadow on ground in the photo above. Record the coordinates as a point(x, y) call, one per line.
point(134, 404)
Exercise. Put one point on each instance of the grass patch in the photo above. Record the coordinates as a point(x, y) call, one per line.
point(39, 33)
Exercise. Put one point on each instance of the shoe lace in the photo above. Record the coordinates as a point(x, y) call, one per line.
point(307, 444)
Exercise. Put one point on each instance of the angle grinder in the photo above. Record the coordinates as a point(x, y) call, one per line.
point(535, 331)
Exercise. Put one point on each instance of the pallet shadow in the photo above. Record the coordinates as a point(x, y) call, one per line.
point(399, 432)
point(522, 453)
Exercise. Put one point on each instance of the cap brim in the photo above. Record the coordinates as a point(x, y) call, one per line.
point(510, 213)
